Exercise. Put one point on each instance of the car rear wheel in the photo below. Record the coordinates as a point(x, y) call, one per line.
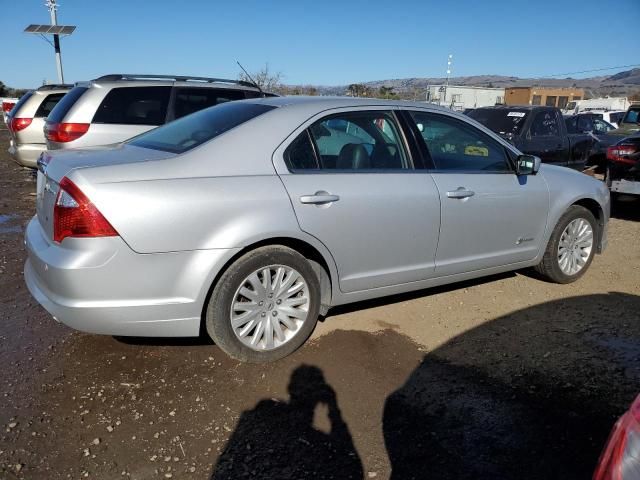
point(571, 247)
point(265, 305)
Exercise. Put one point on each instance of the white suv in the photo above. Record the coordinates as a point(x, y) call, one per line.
point(116, 107)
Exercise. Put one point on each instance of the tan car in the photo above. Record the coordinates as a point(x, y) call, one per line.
point(26, 122)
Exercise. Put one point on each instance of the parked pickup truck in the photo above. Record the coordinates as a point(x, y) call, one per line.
point(630, 123)
point(539, 131)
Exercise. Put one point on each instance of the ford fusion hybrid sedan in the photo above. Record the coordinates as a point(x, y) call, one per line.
point(251, 219)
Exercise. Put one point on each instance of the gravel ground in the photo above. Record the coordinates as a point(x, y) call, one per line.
point(505, 377)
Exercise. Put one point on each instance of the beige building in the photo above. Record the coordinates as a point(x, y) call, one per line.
point(551, 97)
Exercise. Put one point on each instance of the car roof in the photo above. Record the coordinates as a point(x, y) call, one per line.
point(141, 80)
point(327, 102)
point(53, 88)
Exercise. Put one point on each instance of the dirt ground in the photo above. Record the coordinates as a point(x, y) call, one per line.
point(503, 378)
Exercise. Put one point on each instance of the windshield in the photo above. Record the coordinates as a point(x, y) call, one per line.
point(631, 116)
point(502, 121)
point(195, 129)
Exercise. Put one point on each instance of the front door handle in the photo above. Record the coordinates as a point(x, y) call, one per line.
point(461, 192)
point(319, 198)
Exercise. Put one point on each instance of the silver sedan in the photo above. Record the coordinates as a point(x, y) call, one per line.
point(251, 219)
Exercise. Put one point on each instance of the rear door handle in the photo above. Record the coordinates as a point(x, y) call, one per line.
point(319, 198)
point(461, 192)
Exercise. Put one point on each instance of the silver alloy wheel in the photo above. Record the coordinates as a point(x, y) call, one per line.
point(270, 307)
point(575, 246)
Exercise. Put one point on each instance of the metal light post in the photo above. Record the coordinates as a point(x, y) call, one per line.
point(53, 11)
point(446, 86)
point(55, 30)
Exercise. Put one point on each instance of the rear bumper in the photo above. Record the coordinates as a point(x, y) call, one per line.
point(26, 154)
point(99, 285)
point(626, 186)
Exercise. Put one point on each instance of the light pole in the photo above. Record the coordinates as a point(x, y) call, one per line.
point(446, 86)
point(53, 11)
point(55, 30)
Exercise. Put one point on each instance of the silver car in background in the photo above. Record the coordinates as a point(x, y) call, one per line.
point(252, 218)
point(116, 107)
point(26, 122)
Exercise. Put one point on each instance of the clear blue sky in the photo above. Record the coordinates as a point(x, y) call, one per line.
point(330, 42)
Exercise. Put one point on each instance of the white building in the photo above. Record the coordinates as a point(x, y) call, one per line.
point(459, 97)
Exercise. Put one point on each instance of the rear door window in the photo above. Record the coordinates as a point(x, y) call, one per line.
point(63, 106)
point(47, 104)
point(189, 100)
point(134, 106)
point(367, 140)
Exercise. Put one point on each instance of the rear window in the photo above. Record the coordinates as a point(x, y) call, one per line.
point(502, 121)
point(134, 106)
point(19, 103)
point(63, 106)
point(190, 100)
point(193, 130)
point(47, 104)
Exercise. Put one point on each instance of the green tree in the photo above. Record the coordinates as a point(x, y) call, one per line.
point(387, 92)
point(359, 90)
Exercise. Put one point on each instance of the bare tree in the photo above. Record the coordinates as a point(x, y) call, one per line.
point(266, 79)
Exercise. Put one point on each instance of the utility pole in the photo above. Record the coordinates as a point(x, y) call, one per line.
point(52, 29)
point(53, 11)
point(446, 86)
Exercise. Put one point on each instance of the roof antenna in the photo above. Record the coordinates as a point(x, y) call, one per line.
point(249, 77)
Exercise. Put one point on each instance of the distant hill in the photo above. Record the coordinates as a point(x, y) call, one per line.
point(621, 84)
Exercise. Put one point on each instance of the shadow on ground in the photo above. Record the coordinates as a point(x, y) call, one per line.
point(277, 439)
point(526, 396)
point(625, 207)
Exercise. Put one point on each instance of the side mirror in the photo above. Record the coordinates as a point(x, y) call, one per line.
point(527, 164)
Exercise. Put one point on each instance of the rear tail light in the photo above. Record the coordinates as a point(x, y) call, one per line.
point(621, 154)
point(7, 106)
point(65, 132)
point(620, 459)
point(74, 215)
point(17, 124)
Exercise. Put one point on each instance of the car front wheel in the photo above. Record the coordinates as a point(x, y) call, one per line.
point(265, 305)
point(571, 247)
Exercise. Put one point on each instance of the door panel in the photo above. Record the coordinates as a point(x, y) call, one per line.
point(503, 222)
point(489, 216)
point(383, 229)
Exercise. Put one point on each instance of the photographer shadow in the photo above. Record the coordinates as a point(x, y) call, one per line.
point(277, 439)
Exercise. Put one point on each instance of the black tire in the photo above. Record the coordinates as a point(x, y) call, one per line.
point(549, 267)
point(218, 314)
